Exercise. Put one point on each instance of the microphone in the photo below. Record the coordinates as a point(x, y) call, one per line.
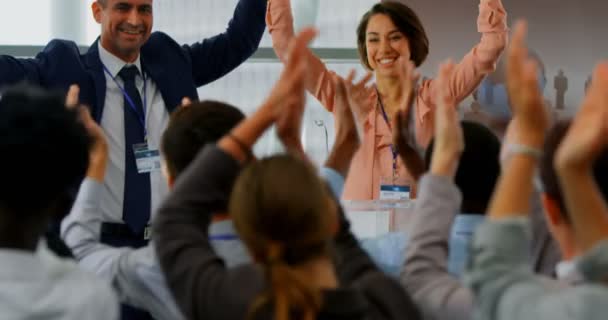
point(321, 123)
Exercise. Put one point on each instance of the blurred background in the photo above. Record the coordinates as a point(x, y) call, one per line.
point(565, 35)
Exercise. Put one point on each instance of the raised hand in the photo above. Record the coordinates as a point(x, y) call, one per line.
point(530, 119)
point(346, 126)
point(186, 102)
point(98, 154)
point(408, 77)
point(288, 96)
point(284, 106)
point(402, 139)
point(348, 137)
point(448, 141)
point(588, 134)
point(359, 93)
point(287, 89)
point(583, 146)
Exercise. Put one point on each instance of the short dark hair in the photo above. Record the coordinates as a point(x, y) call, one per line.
point(478, 169)
point(44, 151)
point(192, 127)
point(548, 175)
point(406, 20)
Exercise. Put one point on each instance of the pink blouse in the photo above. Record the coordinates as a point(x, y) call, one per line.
point(374, 159)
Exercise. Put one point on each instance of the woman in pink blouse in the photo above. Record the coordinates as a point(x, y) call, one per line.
point(388, 34)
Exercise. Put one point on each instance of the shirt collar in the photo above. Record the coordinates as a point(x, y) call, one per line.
point(21, 264)
point(467, 222)
point(114, 63)
point(567, 270)
point(224, 227)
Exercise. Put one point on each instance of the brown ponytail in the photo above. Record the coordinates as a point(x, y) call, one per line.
point(280, 209)
point(293, 297)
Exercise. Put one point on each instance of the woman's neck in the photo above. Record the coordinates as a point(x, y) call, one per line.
point(320, 272)
point(390, 92)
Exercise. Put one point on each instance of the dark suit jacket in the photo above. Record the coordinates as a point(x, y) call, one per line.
point(177, 70)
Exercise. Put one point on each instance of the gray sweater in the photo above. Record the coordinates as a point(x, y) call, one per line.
point(205, 289)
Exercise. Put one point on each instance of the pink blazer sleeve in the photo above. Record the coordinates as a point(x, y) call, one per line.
point(481, 60)
point(280, 25)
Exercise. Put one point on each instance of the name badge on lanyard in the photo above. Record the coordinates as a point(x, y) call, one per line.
point(393, 187)
point(146, 159)
point(394, 191)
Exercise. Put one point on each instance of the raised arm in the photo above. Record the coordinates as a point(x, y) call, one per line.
point(13, 70)
point(352, 261)
point(216, 56)
point(481, 60)
point(584, 145)
point(425, 274)
point(500, 276)
point(196, 275)
point(135, 274)
point(33, 70)
point(280, 25)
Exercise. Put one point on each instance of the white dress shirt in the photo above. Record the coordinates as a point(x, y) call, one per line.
point(134, 273)
point(43, 286)
point(112, 122)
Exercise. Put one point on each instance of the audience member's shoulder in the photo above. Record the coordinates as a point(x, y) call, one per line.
point(584, 301)
point(82, 289)
point(387, 296)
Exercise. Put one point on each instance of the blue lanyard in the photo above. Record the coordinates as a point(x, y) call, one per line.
point(141, 117)
point(388, 123)
point(223, 237)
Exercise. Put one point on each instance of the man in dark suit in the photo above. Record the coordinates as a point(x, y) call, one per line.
point(132, 79)
point(164, 73)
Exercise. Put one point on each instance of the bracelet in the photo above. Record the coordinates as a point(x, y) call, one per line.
point(242, 146)
point(512, 149)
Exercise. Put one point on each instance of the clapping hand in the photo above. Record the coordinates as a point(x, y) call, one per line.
point(402, 140)
point(588, 134)
point(98, 154)
point(530, 119)
point(576, 161)
point(288, 97)
point(448, 140)
point(359, 93)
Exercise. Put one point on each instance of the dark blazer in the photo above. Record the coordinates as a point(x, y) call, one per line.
point(177, 70)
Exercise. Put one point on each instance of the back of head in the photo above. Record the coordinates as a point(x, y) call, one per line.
point(479, 167)
point(192, 127)
point(44, 152)
point(282, 212)
point(548, 175)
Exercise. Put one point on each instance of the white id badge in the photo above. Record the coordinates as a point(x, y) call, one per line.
point(147, 160)
point(394, 192)
point(395, 188)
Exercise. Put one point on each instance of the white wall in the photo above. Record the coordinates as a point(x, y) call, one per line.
point(25, 22)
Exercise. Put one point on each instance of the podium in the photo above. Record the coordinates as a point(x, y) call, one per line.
point(382, 229)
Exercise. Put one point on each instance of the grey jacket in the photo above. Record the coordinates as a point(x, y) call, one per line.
point(438, 294)
point(506, 288)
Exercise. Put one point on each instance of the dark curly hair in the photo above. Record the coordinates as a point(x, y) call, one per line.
point(479, 167)
point(191, 128)
point(44, 151)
